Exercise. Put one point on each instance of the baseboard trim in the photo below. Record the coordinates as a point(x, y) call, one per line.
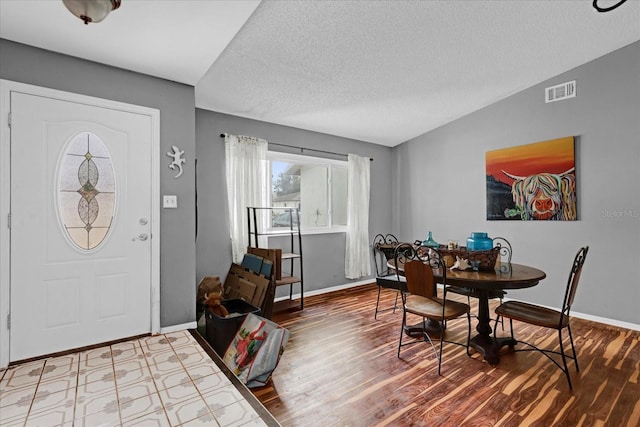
point(330, 289)
point(599, 319)
point(176, 328)
point(607, 321)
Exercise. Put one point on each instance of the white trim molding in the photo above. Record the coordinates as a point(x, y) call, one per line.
point(176, 328)
point(599, 319)
point(606, 321)
point(330, 289)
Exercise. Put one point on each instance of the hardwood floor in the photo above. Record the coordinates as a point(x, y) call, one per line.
point(340, 369)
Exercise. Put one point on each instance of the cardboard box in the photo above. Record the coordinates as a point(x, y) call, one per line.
point(256, 289)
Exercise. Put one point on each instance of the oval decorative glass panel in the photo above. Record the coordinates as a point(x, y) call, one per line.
point(86, 191)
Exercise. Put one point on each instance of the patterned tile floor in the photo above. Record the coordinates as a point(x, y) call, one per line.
point(163, 380)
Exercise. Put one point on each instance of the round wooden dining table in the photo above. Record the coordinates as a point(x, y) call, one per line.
point(503, 277)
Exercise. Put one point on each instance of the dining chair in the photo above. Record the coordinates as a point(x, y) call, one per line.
point(503, 260)
point(383, 249)
point(421, 296)
point(549, 318)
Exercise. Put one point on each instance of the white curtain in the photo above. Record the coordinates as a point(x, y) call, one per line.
point(247, 186)
point(357, 257)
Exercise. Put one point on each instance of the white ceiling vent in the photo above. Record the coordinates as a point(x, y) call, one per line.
point(560, 92)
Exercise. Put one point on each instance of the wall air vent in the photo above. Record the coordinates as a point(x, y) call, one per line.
point(560, 92)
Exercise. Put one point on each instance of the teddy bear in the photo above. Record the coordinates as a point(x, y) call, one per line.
point(207, 285)
point(214, 301)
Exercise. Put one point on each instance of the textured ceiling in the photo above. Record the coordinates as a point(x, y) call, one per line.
point(377, 71)
point(173, 39)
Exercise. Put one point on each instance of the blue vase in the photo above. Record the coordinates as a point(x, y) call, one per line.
point(430, 242)
point(479, 242)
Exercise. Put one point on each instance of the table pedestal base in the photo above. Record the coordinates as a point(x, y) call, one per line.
point(490, 347)
point(415, 331)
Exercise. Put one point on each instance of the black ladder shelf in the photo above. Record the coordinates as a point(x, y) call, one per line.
point(293, 253)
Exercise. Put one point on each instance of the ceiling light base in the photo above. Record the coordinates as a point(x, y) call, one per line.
point(93, 11)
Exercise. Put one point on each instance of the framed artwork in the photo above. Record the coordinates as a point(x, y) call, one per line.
point(533, 182)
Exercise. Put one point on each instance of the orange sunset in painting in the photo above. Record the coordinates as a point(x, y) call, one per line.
point(532, 182)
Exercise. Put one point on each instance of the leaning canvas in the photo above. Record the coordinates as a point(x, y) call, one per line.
point(533, 182)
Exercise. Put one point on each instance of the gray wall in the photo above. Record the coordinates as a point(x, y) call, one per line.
point(439, 183)
point(437, 179)
point(176, 102)
point(323, 253)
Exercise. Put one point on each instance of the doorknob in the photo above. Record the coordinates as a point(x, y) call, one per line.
point(141, 236)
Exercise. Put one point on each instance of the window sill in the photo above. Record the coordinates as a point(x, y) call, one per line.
point(307, 231)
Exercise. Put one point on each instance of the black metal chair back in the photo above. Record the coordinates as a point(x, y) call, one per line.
point(503, 247)
point(572, 282)
point(383, 250)
point(407, 254)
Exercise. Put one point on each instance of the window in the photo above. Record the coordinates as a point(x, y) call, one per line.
point(86, 191)
point(318, 187)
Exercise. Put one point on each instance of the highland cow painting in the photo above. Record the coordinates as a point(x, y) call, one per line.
point(534, 182)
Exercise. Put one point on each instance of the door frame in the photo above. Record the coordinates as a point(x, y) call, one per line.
point(8, 86)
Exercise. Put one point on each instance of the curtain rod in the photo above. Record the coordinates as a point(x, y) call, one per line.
point(222, 135)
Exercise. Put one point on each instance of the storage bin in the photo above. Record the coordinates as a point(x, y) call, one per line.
point(221, 330)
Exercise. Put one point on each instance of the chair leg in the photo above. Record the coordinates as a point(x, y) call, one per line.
point(439, 355)
point(575, 357)
point(564, 368)
point(468, 333)
point(404, 320)
point(442, 329)
point(564, 359)
point(513, 338)
point(495, 325)
point(375, 316)
point(395, 303)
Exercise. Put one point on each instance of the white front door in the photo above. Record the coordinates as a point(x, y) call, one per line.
point(81, 222)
